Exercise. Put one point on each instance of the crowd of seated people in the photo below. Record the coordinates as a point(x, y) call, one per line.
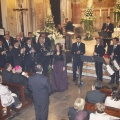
point(100, 100)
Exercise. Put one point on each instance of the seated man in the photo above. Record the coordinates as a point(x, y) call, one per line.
point(100, 114)
point(20, 78)
point(95, 95)
point(7, 73)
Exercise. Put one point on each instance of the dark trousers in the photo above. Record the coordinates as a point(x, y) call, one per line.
point(106, 41)
point(30, 66)
point(99, 71)
point(115, 77)
point(41, 111)
point(77, 63)
point(45, 61)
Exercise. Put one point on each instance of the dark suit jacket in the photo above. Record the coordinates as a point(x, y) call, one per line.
point(7, 75)
point(109, 27)
point(99, 50)
point(40, 88)
point(69, 26)
point(2, 57)
point(116, 52)
point(17, 56)
point(81, 48)
point(95, 96)
point(17, 78)
point(75, 114)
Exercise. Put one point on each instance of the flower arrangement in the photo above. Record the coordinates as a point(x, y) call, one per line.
point(117, 13)
point(88, 20)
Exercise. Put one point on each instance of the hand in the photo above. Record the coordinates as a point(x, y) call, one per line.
point(22, 51)
point(13, 70)
point(63, 68)
point(94, 53)
point(78, 52)
point(52, 66)
point(14, 95)
point(32, 51)
point(3, 52)
point(108, 30)
point(105, 30)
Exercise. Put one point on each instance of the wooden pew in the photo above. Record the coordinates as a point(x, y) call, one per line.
point(20, 89)
point(106, 91)
point(6, 115)
point(109, 110)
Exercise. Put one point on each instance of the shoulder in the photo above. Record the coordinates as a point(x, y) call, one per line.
point(82, 43)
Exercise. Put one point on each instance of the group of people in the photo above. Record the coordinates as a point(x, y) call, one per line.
point(95, 96)
point(23, 53)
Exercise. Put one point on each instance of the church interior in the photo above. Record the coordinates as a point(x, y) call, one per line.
point(39, 16)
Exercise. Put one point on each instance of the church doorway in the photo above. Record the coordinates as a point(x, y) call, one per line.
point(55, 9)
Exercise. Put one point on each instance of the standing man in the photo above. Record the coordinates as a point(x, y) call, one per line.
point(99, 51)
point(114, 53)
point(41, 90)
point(108, 28)
point(17, 54)
point(29, 56)
point(44, 46)
point(2, 54)
point(78, 48)
point(69, 28)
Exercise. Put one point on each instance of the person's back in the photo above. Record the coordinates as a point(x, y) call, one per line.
point(6, 75)
point(38, 84)
point(83, 115)
point(41, 89)
point(114, 99)
point(100, 112)
point(18, 78)
point(95, 95)
point(97, 116)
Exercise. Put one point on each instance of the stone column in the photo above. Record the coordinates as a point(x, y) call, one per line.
point(76, 11)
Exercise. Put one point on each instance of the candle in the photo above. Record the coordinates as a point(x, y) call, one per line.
point(100, 12)
point(116, 17)
point(109, 12)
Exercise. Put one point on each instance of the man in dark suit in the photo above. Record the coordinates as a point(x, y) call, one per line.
point(44, 46)
point(114, 53)
point(95, 95)
point(107, 27)
point(41, 90)
point(78, 48)
point(7, 72)
point(2, 54)
point(17, 54)
point(99, 51)
point(29, 56)
point(8, 44)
